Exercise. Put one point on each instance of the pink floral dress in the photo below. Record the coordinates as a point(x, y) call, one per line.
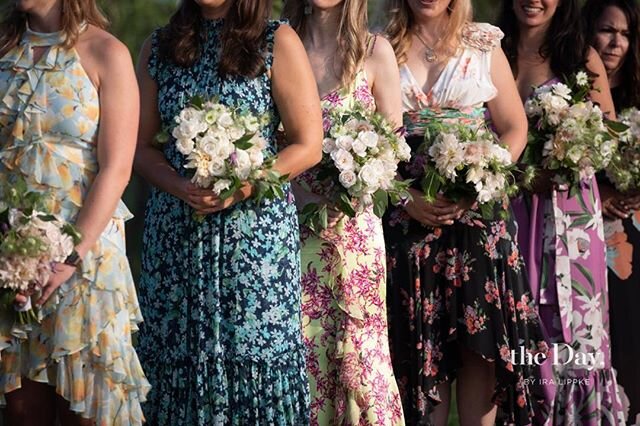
point(344, 309)
point(464, 284)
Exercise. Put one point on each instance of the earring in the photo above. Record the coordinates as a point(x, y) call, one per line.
point(307, 8)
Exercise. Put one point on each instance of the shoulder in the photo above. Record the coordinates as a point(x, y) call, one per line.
point(104, 48)
point(594, 62)
point(481, 36)
point(381, 49)
point(282, 32)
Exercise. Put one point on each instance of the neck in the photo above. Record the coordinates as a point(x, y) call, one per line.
point(531, 40)
point(215, 12)
point(322, 27)
point(46, 19)
point(431, 29)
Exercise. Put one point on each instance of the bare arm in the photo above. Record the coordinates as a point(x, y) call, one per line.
point(507, 111)
point(382, 70)
point(119, 106)
point(601, 93)
point(296, 96)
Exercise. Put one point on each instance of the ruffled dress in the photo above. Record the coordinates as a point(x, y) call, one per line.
point(49, 118)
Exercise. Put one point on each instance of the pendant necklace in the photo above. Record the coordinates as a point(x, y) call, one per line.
point(430, 54)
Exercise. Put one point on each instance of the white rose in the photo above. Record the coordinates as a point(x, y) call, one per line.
point(225, 120)
point(359, 148)
point(562, 90)
point(257, 157)
point(342, 159)
point(216, 168)
point(369, 175)
point(344, 142)
point(235, 132)
point(243, 164)
point(369, 138)
point(328, 145)
point(185, 146)
point(348, 178)
point(186, 130)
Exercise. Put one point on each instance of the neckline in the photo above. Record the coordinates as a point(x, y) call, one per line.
point(415, 83)
point(40, 39)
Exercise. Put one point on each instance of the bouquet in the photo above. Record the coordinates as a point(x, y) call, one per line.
point(31, 242)
point(360, 162)
point(466, 162)
point(570, 134)
point(624, 169)
point(225, 149)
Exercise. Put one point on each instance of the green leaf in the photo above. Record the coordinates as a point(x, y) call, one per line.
point(197, 101)
point(380, 202)
point(346, 205)
point(243, 142)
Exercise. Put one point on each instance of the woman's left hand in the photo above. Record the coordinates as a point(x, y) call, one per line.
point(207, 202)
point(61, 273)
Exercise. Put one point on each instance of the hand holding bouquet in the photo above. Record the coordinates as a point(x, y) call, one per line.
point(466, 162)
point(31, 242)
point(361, 155)
point(569, 133)
point(624, 169)
point(225, 149)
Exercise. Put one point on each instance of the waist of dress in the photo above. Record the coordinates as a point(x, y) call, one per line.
point(417, 122)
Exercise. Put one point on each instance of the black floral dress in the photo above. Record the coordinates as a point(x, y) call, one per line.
point(222, 340)
point(463, 284)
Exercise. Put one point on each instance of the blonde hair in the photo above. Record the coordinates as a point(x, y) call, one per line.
point(75, 14)
point(353, 33)
point(401, 23)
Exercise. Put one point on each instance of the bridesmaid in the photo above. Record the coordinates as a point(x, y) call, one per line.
point(562, 235)
point(68, 121)
point(458, 297)
point(222, 297)
point(343, 268)
point(612, 29)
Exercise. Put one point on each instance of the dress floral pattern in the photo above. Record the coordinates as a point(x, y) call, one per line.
point(223, 341)
point(344, 308)
point(563, 244)
point(459, 284)
point(49, 117)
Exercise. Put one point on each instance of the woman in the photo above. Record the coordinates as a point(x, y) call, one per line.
point(67, 127)
point(343, 268)
point(458, 296)
point(224, 342)
point(612, 29)
point(562, 235)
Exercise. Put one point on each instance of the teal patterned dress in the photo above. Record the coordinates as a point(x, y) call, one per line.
point(222, 341)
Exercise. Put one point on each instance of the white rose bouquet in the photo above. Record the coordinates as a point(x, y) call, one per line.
point(225, 149)
point(568, 133)
point(31, 242)
point(467, 162)
point(624, 169)
point(361, 152)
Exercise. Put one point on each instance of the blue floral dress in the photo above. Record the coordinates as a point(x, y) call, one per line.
point(222, 343)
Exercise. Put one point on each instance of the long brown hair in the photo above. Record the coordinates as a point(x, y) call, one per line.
point(242, 38)
point(401, 22)
point(352, 34)
point(75, 13)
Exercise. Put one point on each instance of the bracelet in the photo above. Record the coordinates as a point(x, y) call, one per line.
point(73, 259)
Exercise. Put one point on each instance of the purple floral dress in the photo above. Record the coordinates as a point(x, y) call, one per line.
point(343, 305)
point(463, 284)
point(562, 239)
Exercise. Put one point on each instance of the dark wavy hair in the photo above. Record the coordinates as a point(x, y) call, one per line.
point(75, 13)
point(564, 44)
point(630, 71)
point(242, 39)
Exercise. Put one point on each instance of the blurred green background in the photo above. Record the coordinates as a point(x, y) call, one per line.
point(133, 20)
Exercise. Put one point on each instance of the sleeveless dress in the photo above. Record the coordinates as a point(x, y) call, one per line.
point(562, 239)
point(344, 307)
point(223, 341)
point(623, 260)
point(49, 117)
point(460, 284)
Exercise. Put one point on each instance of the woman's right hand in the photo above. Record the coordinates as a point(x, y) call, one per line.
point(439, 213)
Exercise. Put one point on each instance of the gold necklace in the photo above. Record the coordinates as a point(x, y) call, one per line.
point(430, 54)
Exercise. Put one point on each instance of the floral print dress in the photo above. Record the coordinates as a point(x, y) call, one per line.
point(562, 238)
point(222, 342)
point(344, 307)
point(463, 284)
point(49, 118)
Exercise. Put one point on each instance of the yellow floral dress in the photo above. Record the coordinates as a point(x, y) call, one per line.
point(49, 117)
